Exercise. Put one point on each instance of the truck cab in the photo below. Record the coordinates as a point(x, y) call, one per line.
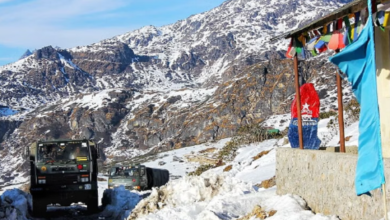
point(137, 177)
point(131, 177)
point(63, 172)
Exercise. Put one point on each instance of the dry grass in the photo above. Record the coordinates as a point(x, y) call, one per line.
point(259, 155)
point(259, 213)
point(200, 170)
point(201, 159)
point(208, 150)
point(267, 183)
point(228, 168)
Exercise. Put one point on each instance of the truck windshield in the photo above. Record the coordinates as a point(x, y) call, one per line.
point(123, 172)
point(63, 151)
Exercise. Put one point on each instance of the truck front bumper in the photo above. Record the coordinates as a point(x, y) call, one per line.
point(62, 188)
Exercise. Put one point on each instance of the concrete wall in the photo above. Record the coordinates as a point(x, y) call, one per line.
point(325, 180)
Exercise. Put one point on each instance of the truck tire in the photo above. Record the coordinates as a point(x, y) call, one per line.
point(39, 207)
point(93, 202)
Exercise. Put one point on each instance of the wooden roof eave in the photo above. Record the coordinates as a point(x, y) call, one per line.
point(349, 8)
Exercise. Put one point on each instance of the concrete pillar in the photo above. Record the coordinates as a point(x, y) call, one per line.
point(382, 48)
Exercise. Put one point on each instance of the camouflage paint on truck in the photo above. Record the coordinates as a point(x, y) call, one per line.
point(64, 172)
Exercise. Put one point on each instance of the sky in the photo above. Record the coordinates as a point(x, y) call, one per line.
point(33, 24)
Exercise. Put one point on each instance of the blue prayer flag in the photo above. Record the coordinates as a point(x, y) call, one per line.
point(357, 61)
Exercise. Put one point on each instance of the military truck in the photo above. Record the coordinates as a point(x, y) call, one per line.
point(63, 172)
point(137, 177)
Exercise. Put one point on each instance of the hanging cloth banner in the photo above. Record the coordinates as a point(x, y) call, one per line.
point(347, 34)
point(316, 32)
point(357, 61)
point(386, 20)
point(339, 24)
point(310, 45)
point(383, 15)
point(310, 108)
point(298, 46)
point(289, 49)
point(357, 19)
point(336, 42)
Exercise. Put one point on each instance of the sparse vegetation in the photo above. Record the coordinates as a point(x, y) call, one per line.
point(330, 124)
point(267, 183)
point(204, 167)
point(259, 213)
point(259, 155)
point(228, 152)
point(227, 168)
point(352, 109)
point(208, 150)
point(329, 114)
point(201, 169)
point(257, 133)
point(246, 135)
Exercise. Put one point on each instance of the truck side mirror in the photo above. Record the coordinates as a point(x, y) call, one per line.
point(97, 151)
point(31, 152)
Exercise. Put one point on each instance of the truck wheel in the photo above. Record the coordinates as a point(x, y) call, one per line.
point(93, 202)
point(39, 207)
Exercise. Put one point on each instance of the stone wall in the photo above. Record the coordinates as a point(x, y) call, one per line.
point(325, 180)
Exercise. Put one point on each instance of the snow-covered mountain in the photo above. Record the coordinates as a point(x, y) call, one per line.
point(188, 52)
point(159, 88)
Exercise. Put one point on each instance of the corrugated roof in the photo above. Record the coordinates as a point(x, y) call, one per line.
point(349, 8)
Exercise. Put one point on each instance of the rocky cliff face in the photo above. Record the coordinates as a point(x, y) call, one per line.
point(7, 127)
point(197, 80)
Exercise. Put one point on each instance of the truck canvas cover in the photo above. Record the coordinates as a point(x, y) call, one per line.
point(160, 177)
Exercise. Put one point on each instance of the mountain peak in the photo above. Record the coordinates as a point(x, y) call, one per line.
point(26, 54)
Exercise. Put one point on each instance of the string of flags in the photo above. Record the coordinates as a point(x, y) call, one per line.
point(338, 34)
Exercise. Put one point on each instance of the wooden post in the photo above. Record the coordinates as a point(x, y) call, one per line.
point(341, 110)
point(298, 98)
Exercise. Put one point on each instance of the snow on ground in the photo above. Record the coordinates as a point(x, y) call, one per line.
point(245, 168)
point(245, 173)
point(264, 168)
point(351, 131)
point(214, 197)
point(102, 185)
point(177, 168)
point(122, 203)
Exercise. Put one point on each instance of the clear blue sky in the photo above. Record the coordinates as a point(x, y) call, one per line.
point(33, 24)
